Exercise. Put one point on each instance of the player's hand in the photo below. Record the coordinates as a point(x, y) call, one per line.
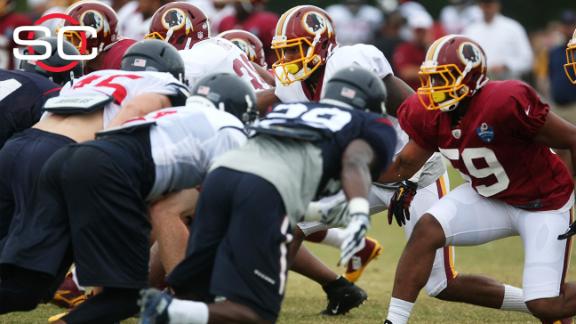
point(571, 231)
point(399, 206)
point(355, 234)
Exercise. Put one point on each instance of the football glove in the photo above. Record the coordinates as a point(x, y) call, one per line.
point(571, 231)
point(333, 213)
point(356, 230)
point(399, 206)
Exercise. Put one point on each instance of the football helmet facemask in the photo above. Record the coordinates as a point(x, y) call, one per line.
point(303, 41)
point(570, 66)
point(97, 15)
point(180, 24)
point(454, 68)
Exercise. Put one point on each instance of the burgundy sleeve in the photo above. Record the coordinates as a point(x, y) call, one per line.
point(528, 113)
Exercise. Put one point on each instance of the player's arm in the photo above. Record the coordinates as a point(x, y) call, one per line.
point(140, 106)
point(355, 175)
point(170, 231)
point(357, 159)
point(406, 164)
point(264, 74)
point(557, 133)
point(265, 99)
point(398, 91)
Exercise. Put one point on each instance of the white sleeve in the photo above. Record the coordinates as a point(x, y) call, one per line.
point(366, 56)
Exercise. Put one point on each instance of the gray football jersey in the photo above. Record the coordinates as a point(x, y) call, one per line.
point(266, 156)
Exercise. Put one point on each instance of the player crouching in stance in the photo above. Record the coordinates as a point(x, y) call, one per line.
point(237, 262)
point(498, 134)
point(92, 198)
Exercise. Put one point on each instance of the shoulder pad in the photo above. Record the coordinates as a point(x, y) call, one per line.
point(76, 104)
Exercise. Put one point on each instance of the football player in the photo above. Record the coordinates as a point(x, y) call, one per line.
point(237, 253)
point(498, 134)
point(249, 44)
point(253, 48)
point(25, 93)
point(108, 42)
point(180, 24)
point(84, 106)
point(102, 215)
point(308, 55)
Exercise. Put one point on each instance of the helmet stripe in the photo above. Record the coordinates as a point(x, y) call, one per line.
point(441, 42)
point(289, 15)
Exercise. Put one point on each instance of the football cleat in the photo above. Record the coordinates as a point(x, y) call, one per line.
point(55, 318)
point(154, 306)
point(342, 297)
point(68, 294)
point(361, 259)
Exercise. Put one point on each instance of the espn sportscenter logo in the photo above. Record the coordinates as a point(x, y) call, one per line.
point(85, 32)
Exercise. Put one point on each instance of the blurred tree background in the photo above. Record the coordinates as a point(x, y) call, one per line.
point(533, 14)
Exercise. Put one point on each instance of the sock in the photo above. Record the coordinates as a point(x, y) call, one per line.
point(399, 311)
point(109, 306)
point(514, 300)
point(187, 312)
point(334, 237)
point(335, 284)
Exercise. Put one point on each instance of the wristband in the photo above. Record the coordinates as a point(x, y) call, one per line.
point(358, 205)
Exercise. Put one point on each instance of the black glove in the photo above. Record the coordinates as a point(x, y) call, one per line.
point(571, 231)
point(399, 206)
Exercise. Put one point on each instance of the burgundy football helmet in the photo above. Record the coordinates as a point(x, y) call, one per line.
point(308, 30)
point(180, 24)
point(454, 68)
point(94, 14)
point(249, 44)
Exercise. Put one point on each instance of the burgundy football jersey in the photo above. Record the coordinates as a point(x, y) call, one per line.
point(492, 145)
point(7, 25)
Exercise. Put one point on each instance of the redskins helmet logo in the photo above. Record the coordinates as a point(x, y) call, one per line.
point(470, 54)
point(93, 19)
point(314, 23)
point(173, 19)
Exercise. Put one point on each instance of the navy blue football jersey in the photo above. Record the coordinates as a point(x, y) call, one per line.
point(22, 96)
point(332, 128)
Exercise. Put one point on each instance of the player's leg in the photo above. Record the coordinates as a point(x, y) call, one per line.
point(250, 265)
point(37, 252)
point(444, 282)
point(108, 223)
point(462, 217)
point(546, 262)
point(169, 228)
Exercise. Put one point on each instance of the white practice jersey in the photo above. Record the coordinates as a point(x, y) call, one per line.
point(185, 141)
point(122, 86)
point(370, 58)
point(216, 55)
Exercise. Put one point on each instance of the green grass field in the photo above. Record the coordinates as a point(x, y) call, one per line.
point(305, 299)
